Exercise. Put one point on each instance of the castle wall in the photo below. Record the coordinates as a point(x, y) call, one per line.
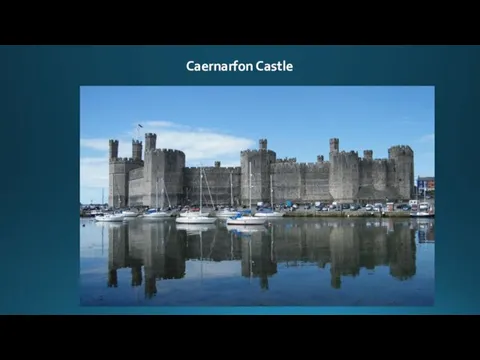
point(119, 170)
point(344, 181)
point(217, 179)
point(345, 178)
point(260, 162)
point(136, 189)
point(315, 182)
point(287, 181)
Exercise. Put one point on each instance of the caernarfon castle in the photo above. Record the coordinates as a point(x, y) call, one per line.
point(344, 177)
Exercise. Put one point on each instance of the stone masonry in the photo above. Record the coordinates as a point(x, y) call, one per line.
point(345, 177)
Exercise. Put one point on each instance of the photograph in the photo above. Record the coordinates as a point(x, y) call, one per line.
point(257, 196)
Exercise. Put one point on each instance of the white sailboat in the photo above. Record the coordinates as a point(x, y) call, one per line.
point(157, 212)
point(228, 212)
point(114, 216)
point(189, 218)
point(270, 213)
point(244, 219)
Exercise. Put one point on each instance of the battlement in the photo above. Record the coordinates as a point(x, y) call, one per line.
point(150, 135)
point(126, 161)
point(320, 158)
point(197, 168)
point(136, 142)
point(315, 165)
point(334, 145)
point(287, 160)
point(400, 150)
point(348, 153)
point(368, 154)
point(380, 161)
point(253, 151)
point(113, 142)
point(166, 151)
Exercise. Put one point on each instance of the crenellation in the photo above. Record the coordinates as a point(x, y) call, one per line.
point(286, 160)
point(345, 177)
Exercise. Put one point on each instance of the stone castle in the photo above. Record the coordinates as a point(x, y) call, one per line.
point(345, 177)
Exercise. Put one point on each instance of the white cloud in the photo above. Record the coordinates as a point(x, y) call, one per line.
point(201, 146)
point(429, 138)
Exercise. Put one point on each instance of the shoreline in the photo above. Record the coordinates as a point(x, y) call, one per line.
point(346, 214)
point(331, 214)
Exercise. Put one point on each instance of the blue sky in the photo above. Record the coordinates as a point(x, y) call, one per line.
point(216, 123)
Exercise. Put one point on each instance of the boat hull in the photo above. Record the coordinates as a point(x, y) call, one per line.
point(274, 214)
point(109, 218)
point(195, 220)
point(157, 215)
point(423, 215)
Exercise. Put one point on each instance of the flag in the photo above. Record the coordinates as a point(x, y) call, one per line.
point(140, 126)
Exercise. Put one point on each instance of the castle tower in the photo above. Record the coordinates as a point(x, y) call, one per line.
point(368, 154)
point(334, 145)
point(136, 150)
point(262, 144)
point(260, 160)
point(218, 164)
point(112, 149)
point(150, 142)
point(320, 159)
point(403, 158)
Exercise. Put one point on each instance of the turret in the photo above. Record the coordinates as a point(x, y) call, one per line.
point(112, 149)
point(136, 150)
point(217, 164)
point(368, 154)
point(334, 145)
point(262, 144)
point(150, 142)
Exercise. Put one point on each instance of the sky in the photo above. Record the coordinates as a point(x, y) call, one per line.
point(211, 123)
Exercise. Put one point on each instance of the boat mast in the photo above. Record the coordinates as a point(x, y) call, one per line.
point(271, 191)
point(250, 185)
point(201, 194)
point(156, 194)
point(231, 190)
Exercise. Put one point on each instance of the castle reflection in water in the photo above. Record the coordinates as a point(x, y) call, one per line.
point(343, 247)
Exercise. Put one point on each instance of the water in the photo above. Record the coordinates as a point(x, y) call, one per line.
point(294, 262)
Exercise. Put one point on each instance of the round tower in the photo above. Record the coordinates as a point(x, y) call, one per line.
point(136, 150)
point(112, 149)
point(150, 142)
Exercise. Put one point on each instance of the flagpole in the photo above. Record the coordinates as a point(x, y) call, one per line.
point(138, 131)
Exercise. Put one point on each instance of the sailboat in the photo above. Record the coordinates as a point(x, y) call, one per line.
point(242, 218)
point(228, 212)
point(115, 216)
point(269, 213)
point(157, 212)
point(192, 218)
point(199, 212)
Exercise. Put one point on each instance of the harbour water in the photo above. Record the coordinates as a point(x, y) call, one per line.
point(292, 262)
